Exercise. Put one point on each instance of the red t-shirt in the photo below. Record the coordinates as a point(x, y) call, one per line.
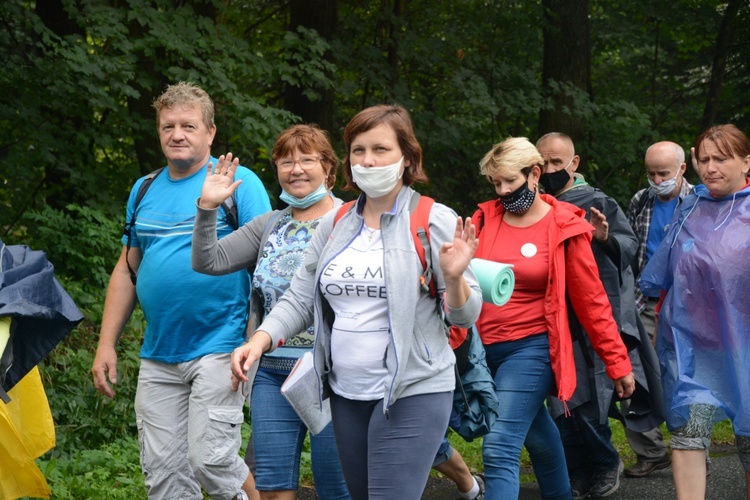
point(527, 249)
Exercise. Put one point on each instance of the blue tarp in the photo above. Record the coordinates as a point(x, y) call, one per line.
point(42, 311)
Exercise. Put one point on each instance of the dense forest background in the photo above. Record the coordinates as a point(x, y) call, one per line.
point(79, 77)
point(77, 127)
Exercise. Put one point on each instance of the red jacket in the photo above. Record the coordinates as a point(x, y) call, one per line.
point(576, 277)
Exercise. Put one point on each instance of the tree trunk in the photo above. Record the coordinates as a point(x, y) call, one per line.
point(320, 15)
point(567, 62)
point(721, 54)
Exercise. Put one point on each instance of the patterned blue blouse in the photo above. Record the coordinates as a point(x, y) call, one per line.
point(278, 260)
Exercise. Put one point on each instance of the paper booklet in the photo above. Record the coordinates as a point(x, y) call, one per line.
point(301, 390)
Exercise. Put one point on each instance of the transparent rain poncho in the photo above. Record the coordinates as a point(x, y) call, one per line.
point(704, 325)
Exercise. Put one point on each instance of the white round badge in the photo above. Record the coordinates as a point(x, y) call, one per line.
point(528, 250)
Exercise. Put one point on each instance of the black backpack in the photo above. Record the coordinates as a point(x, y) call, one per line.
point(229, 205)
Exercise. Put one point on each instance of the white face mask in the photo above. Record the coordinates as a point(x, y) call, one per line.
point(377, 181)
point(666, 187)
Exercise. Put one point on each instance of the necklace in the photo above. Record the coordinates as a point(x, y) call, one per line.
point(370, 231)
point(311, 212)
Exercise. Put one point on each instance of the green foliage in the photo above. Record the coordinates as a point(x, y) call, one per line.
point(302, 59)
point(110, 472)
point(84, 418)
point(76, 124)
point(82, 242)
point(77, 129)
point(97, 452)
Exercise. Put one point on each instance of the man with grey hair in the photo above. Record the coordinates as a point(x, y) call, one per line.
point(650, 213)
point(188, 416)
point(594, 465)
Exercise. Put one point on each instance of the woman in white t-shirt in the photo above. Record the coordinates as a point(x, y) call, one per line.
point(381, 349)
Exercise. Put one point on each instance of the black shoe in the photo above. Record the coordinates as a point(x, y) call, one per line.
point(580, 486)
point(606, 484)
point(643, 469)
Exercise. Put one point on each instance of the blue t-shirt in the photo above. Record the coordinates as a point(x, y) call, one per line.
point(188, 314)
point(660, 218)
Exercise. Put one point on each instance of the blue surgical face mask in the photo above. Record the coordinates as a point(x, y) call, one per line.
point(665, 187)
point(308, 201)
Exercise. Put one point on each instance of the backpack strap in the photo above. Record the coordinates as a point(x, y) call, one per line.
point(229, 205)
point(342, 211)
point(230, 209)
point(642, 201)
point(419, 223)
point(129, 225)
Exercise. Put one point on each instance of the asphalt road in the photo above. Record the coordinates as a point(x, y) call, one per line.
point(726, 481)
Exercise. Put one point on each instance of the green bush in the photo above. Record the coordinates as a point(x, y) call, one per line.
point(83, 417)
point(82, 243)
point(109, 472)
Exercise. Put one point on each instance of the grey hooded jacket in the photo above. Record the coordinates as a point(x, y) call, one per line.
point(418, 358)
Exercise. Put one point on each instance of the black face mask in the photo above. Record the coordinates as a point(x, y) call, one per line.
point(519, 201)
point(553, 182)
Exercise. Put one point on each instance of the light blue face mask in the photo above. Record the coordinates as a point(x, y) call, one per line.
point(665, 187)
point(308, 201)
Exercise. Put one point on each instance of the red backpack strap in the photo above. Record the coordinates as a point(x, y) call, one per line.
point(342, 211)
point(419, 223)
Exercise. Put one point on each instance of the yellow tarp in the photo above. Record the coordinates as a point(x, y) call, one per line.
point(27, 431)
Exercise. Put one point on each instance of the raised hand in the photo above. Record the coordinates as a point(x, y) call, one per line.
point(456, 255)
point(219, 183)
point(601, 226)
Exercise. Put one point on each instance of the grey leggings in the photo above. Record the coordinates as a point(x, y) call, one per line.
point(389, 456)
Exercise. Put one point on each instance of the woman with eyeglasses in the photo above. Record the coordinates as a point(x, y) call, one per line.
point(381, 347)
point(273, 247)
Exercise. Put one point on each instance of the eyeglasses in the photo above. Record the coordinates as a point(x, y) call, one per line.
point(306, 162)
